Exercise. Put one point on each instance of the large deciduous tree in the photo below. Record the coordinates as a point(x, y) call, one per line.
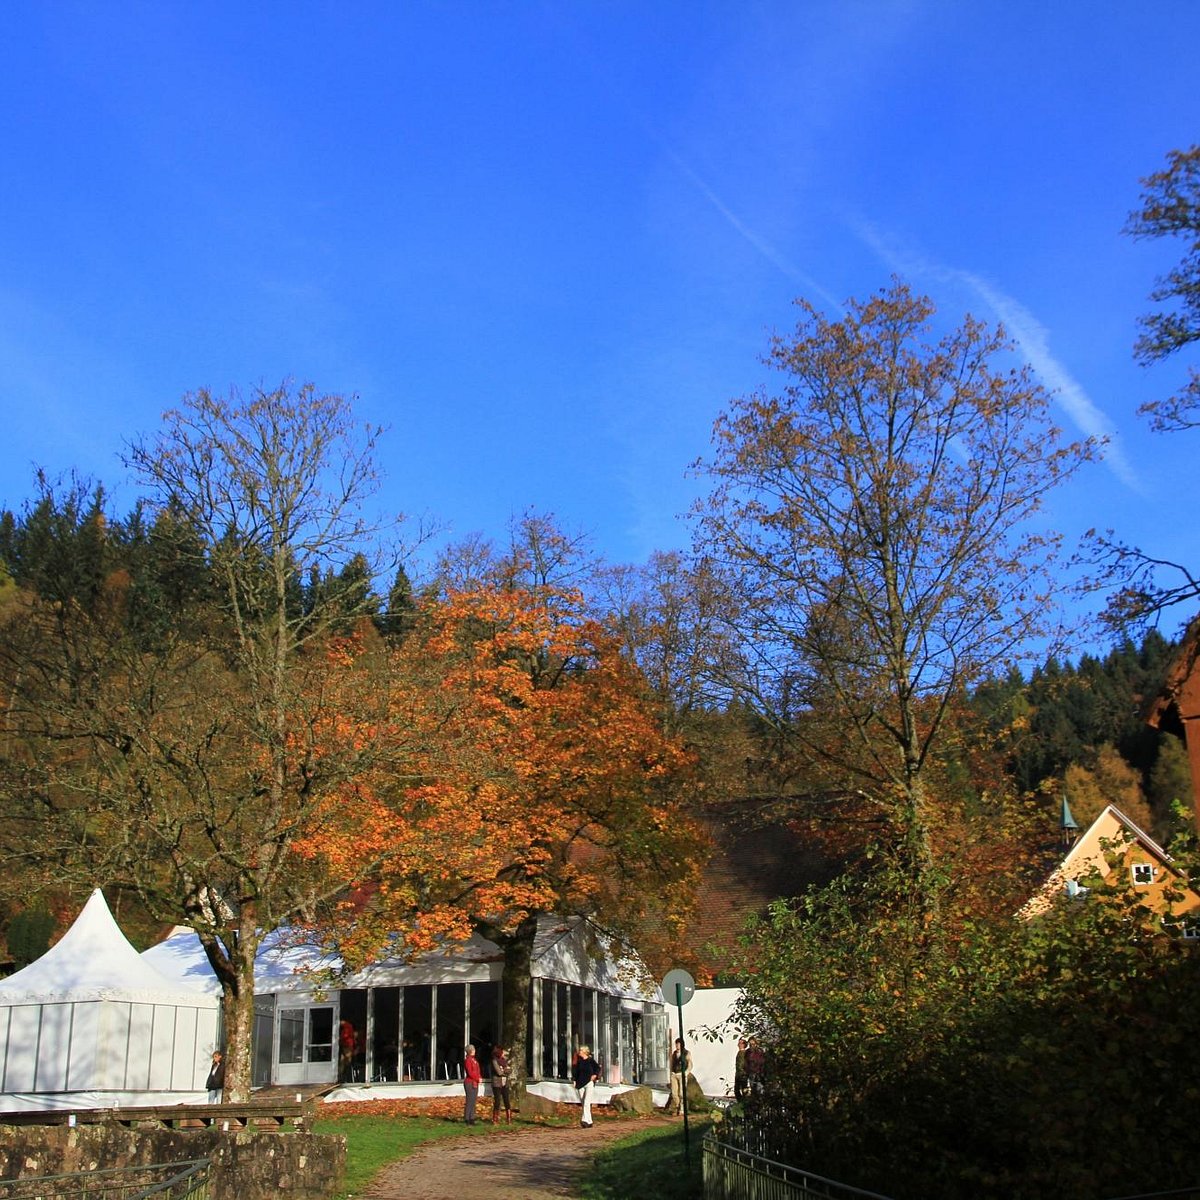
point(872, 521)
point(544, 785)
point(182, 744)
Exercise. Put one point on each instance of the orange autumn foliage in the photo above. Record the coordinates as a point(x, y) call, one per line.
point(536, 779)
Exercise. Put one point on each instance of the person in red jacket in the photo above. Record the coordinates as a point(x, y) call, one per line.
point(472, 1076)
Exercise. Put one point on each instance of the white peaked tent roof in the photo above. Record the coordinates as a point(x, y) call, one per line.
point(93, 960)
point(283, 962)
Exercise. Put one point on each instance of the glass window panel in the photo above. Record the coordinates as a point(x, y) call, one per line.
point(563, 1025)
point(352, 1035)
point(291, 1035)
point(451, 1029)
point(385, 1035)
point(485, 1021)
point(588, 1021)
point(417, 1029)
point(547, 1038)
point(320, 1034)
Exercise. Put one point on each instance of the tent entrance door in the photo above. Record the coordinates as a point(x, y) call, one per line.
point(304, 1044)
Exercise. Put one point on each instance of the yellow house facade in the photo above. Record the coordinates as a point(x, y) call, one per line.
point(1116, 851)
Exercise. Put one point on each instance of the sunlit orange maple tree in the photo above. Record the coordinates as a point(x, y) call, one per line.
point(540, 782)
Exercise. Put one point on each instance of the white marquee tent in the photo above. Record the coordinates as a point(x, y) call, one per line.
point(91, 1023)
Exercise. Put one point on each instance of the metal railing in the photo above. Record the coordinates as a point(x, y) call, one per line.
point(731, 1173)
point(186, 1180)
point(1188, 1193)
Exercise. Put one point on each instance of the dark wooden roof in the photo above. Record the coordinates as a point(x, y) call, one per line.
point(1163, 710)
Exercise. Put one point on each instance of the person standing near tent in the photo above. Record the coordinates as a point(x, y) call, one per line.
point(216, 1078)
point(585, 1073)
point(681, 1065)
point(472, 1076)
point(500, 1076)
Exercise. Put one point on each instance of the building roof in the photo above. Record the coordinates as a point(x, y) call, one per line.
point(563, 950)
point(1088, 857)
point(1163, 711)
point(93, 960)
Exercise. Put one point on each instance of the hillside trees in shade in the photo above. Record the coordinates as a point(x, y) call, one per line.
point(872, 524)
point(1079, 730)
point(180, 706)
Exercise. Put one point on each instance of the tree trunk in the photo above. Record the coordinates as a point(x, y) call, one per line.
point(514, 1018)
point(237, 996)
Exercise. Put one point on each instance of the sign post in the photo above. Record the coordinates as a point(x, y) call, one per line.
point(680, 987)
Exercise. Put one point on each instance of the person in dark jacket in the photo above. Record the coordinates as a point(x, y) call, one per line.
point(501, 1073)
point(585, 1074)
point(741, 1078)
point(756, 1065)
point(681, 1065)
point(216, 1078)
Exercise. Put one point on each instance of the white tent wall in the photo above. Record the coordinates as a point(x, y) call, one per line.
point(90, 1024)
point(105, 1046)
point(23, 1024)
point(711, 1036)
point(55, 1036)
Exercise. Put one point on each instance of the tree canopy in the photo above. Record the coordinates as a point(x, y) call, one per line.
point(1143, 584)
point(873, 525)
point(1170, 208)
point(180, 703)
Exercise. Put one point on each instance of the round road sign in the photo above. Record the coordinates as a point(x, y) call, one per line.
point(678, 987)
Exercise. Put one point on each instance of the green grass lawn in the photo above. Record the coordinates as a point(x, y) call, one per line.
point(649, 1165)
point(373, 1142)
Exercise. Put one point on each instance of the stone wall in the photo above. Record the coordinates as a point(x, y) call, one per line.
point(247, 1164)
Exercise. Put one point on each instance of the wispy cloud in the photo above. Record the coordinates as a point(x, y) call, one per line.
point(806, 282)
point(1033, 344)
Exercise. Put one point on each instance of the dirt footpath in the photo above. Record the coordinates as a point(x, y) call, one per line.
point(521, 1163)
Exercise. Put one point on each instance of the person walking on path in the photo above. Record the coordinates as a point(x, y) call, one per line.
point(472, 1076)
point(216, 1078)
point(500, 1075)
point(585, 1074)
point(681, 1065)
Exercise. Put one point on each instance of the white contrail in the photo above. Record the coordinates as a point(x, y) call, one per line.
point(759, 243)
point(1034, 343)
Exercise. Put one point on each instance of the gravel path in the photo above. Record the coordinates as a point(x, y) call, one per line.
point(521, 1163)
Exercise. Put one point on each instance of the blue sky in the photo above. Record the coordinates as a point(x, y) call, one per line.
point(545, 243)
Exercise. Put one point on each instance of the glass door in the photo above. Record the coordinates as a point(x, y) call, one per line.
point(304, 1044)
